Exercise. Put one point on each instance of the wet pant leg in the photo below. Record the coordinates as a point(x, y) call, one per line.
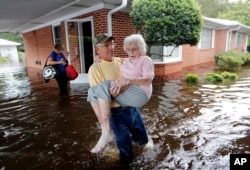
point(62, 82)
point(138, 130)
point(127, 125)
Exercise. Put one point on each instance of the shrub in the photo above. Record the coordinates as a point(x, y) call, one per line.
point(247, 58)
point(192, 78)
point(4, 60)
point(228, 61)
point(243, 58)
point(231, 60)
point(213, 78)
point(229, 76)
point(21, 57)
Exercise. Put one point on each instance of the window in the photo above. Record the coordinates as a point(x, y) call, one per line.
point(156, 53)
point(165, 53)
point(206, 39)
point(57, 34)
point(238, 39)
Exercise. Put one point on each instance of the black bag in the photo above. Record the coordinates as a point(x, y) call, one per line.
point(49, 72)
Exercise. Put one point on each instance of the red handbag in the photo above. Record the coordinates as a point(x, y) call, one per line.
point(71, 72)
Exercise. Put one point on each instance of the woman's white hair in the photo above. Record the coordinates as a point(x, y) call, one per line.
point(136, 39)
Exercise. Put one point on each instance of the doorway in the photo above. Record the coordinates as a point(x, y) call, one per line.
point(86, 45)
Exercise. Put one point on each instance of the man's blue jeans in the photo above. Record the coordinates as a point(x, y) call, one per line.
point(128, 126)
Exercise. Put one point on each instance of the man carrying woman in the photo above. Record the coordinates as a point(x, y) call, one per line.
point(130, 88)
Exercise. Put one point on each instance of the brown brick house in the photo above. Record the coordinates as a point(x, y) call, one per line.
point(218, 35)
point(75, 24)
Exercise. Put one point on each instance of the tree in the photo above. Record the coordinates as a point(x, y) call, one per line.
point(167, 22)
point(239, 11)
point(225, 9)
point(212, 8)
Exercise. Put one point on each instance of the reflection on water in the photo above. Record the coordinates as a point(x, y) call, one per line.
point(192, 128)
point(14, 82)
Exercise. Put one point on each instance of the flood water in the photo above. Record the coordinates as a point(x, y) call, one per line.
point(191, 127)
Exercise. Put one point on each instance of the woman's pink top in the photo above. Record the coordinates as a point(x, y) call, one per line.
point(139, 67)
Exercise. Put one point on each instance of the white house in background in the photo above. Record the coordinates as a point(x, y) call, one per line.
point(9, 49)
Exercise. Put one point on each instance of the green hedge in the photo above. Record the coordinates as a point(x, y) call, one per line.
point(223, 77)
point(4, 60)
point(231, 60)
point(192, 78)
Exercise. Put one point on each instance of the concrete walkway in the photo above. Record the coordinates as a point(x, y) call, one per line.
point(81, 79)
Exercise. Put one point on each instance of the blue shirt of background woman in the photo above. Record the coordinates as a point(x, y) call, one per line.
point(59, 57)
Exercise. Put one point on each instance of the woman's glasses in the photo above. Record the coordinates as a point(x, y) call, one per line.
point(132, 50)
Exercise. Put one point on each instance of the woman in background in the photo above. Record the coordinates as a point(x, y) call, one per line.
point(57, 59)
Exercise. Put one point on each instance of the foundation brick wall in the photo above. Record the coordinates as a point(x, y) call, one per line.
point(164, 69)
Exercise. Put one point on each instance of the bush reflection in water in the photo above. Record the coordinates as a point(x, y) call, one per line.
point(192, 128)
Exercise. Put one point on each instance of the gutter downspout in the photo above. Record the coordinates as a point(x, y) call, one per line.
point(109, 17)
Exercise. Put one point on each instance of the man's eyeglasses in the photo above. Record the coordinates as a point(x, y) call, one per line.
point(112, 45)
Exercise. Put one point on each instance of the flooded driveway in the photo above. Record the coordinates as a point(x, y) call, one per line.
point(191, 127)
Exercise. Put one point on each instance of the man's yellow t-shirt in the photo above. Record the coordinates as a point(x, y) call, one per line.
point(99, 72)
